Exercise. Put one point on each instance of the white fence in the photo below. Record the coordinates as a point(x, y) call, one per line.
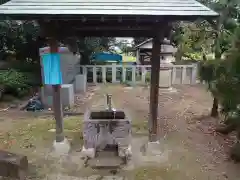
point(139, 74)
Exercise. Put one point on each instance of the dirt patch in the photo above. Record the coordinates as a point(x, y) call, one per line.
point(187, 129)
point(196, 151)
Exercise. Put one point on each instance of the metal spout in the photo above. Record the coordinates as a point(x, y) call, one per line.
point(109, 102)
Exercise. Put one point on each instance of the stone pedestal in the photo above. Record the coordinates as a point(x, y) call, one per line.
point(154, 152)
point(80, 83)
point(67, 93)
point(165, 79)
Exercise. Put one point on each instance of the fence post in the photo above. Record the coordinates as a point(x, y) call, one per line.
point(173, 74)
point(84, 70)
point(114, 74)
point(123, 74)
point(134, 74)
point(94, 74)
point(104, 74)
point(143, 74)
point(194, 74)
point(183, 74)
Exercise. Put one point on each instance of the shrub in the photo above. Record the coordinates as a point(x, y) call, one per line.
point(15, 83)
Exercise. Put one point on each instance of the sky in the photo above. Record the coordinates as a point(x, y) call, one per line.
point(120, 39)
point(128, 39)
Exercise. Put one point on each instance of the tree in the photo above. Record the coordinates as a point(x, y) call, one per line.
point(137, 41)
point(223, 30)
point(227, 85)
point(124, 46)
point(19, 48)
point(87, 46)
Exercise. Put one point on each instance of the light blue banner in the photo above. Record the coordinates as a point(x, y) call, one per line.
point(52, 69)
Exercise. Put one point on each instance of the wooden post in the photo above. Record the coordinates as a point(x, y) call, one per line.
point(154, 88)
point(57, 102)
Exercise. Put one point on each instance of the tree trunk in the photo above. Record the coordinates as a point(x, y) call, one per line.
point(226, 129)
point(214, 112)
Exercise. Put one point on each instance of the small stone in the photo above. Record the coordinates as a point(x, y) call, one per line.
point(94, 177)
point(12, 106)
point(113, 178)
point(225, 174)
point(90, 152)
point(114, 171)
point(52, 130)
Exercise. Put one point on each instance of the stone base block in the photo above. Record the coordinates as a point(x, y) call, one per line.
point(61, 148)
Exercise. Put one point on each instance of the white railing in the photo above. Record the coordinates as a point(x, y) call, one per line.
point(138, 74)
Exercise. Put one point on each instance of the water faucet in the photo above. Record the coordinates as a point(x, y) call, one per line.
point(109, 102)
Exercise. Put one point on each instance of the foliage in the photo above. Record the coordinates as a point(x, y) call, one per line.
point(222, 33)
point(19, 48)
point(19, 44)
point(15, 82)
point(223, 78)
point(228, 78)
point(89, 45)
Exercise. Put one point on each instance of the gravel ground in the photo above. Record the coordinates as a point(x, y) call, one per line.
point(193, 150)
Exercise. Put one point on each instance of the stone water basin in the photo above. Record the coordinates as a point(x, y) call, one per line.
point(107, 130)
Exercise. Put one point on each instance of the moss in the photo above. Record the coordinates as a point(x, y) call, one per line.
point(157, 173)
point(35, 134)
point(140, 127)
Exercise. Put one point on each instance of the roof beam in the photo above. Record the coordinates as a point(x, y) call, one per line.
point(104, 33)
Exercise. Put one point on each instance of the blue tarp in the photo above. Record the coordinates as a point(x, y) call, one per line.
point(107, 57)
point(52, 69)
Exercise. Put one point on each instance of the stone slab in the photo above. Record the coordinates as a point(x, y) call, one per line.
point(13, 165)
point(113, 178)
point(67, 95)
point(92, 177)
point(105, 162)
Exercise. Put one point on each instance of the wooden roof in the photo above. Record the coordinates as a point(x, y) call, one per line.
point(111, 18)
point(36, 8)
